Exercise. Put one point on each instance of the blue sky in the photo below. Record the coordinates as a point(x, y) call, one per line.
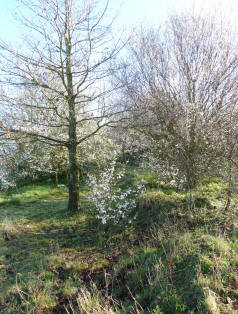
point(134, 11)
point(131, 11)
point(7, 25)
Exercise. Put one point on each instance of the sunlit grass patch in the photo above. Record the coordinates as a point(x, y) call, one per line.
point(35, 192)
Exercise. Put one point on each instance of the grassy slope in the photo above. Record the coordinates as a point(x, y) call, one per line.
point(171, 260)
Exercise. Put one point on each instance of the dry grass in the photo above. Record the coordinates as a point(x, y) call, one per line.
point(9, 228)
point(90, 303)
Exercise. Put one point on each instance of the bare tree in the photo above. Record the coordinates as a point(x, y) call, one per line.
point(184, 78)
point(58, 79)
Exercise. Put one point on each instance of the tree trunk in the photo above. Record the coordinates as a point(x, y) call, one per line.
point(73, 204)
point(56, 178)
point(228, 201)
point(190, 201)
point(229, 189)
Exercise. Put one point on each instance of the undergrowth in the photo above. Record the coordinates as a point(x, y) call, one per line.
point(170, 260)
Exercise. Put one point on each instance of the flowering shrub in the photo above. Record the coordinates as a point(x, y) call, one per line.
point(112, 202)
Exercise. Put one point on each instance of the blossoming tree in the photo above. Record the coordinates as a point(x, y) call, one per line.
point(57, 81)
point(183, 78)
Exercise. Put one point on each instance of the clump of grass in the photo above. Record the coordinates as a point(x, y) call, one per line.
point(91, 302)
point(202, 202)
point(217, 243)
point(9, 228)
point(207, 265)
point(36, 295)
point(68, 288)
point(211, 303)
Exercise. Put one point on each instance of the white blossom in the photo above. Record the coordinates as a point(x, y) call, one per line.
point(112, 202)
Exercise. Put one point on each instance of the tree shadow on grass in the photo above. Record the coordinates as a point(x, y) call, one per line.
point(152, 282)
point(46, 240)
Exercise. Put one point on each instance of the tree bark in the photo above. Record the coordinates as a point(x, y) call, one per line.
point(229, 194)
point(56, 178)
point(73, 204)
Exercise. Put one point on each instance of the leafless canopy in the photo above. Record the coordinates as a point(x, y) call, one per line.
point(184, 77)
point(66, 55)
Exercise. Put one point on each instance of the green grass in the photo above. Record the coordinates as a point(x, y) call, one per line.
point(170, 260)
point(45, 245)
